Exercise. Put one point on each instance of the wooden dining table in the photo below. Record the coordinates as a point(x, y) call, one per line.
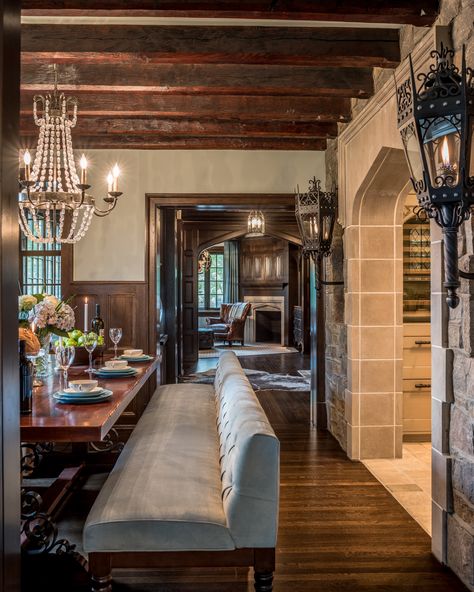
point(51, 421)
point(82, 425)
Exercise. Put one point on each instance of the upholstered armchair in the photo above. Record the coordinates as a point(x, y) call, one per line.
point(230, 324)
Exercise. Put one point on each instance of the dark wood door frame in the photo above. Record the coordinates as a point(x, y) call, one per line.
point(9, 406)
point(170, 249)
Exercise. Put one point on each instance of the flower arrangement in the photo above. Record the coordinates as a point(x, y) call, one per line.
point(47, 313)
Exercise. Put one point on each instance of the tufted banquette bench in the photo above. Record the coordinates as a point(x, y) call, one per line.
point(197, 485)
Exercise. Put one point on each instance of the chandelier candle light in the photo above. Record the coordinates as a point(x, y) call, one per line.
point(53, 204)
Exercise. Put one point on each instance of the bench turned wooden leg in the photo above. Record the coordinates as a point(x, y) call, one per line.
point(263, 581)
point(100, 572)
point(264, 566)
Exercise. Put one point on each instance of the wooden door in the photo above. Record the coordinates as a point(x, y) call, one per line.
point(9, 415)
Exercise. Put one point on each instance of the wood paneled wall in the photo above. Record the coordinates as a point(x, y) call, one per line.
point(122, 304)
point(264, 262)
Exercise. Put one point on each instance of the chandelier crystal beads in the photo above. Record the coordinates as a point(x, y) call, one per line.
point(53, 204)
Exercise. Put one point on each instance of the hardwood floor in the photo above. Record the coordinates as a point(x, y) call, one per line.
point(339, 531)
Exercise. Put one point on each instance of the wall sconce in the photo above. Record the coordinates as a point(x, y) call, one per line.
point(436, 124)
point(316, 214)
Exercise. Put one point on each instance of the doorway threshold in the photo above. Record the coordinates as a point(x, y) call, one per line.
point(408, 479)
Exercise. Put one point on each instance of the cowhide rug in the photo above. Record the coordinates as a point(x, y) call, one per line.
point(260, 381)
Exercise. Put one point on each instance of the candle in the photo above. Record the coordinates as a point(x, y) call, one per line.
point(86, 315)
point(83, 164)
point(116, 173)
point(110, 182)
point(27, 161)
point(33, 327)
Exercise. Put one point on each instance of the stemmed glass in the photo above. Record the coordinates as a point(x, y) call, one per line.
point(90, 343)
point(115, 335)
point(64, 358)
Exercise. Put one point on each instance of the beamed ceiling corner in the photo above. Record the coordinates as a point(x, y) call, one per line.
point(266, 75)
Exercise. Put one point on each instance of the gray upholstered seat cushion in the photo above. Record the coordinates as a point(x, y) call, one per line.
point(249, 453)
point(180, 508)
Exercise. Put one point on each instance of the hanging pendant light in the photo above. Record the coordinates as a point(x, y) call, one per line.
point(53, 204)
point(256, 223)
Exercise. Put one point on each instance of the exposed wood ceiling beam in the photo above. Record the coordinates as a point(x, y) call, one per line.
point(140, 126)
point(204, 79)
point(133, 45)
point(415, 12)
point(151, 142)
point(235, 108)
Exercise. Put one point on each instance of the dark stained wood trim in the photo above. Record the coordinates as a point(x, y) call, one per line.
point(218, 201)
point(207, 79)
point(168, 204)
point(151, 142)
point(219, 108)
point(142, 44)
point(9, 240)
point(415, 12)
point(146, 127)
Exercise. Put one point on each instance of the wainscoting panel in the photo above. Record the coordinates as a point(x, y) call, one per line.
point(122, 304)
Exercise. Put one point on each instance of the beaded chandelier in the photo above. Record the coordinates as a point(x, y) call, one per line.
point(53, 204)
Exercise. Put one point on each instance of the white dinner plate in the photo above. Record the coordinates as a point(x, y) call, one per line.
point(95, 391)
point(107, 369)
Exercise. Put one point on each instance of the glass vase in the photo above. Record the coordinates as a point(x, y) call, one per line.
point(43, 367)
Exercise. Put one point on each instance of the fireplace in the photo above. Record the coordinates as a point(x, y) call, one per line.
point(268, 326)
point(257, 327)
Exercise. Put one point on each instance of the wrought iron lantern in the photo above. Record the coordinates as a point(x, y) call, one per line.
point(204, 261)
point(316, 213)
point(256, 223)
point(436, 124)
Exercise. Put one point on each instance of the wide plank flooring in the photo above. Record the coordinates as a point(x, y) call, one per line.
point(339, 531)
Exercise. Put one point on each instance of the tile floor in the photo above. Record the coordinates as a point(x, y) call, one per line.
point(408, 479)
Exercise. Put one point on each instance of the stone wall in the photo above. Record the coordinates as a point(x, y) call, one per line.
point(336, 331)
point(460, 522)
point(459, 446)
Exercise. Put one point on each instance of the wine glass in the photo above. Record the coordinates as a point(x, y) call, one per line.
point(64, 358)
point(115, 335)
point(90, 343)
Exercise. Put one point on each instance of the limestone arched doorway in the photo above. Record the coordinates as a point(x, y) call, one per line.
point(374, 309)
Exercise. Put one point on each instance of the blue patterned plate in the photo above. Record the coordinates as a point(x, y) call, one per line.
point(143, 358)
point(121, 374)
point(80, 399)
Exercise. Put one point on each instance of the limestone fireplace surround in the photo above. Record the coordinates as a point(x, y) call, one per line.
point(261, 303)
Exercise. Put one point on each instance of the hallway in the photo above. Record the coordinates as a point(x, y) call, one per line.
point(340, 529)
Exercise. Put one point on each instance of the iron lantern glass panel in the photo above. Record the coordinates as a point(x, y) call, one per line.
point(310, 226)
point(441, 137)
point(412, 152)
point(470, 151)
